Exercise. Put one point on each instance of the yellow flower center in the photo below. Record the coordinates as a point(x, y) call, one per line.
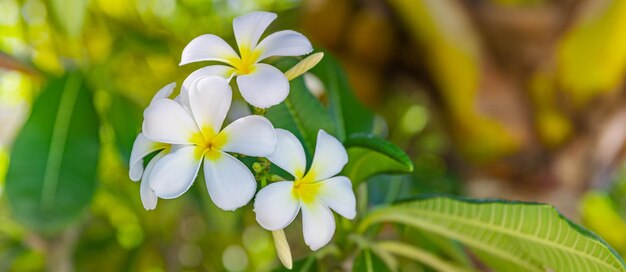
point(306, 188)
point(246, 64)
point(209, 143)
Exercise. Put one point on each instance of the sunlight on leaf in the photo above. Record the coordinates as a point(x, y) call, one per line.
point(508, 236)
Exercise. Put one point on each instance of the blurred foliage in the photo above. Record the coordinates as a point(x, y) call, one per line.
point(553, 126)
point(120, 48)
point(123, 51)
point(369, 262)
point(597, 40)
point(605, 212)
point(454, 58)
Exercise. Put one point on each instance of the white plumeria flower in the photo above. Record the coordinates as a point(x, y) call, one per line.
point(142, 147)
point(315, 193)
point(261, 85)
point(198, 138)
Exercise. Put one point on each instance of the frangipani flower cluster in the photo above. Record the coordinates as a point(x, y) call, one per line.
point(188, 133)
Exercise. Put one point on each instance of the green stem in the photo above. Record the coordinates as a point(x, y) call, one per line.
point(260, 111)
point(361, 241)
point(262, 169)
point(419, 255)
point(362, 198)
point(364, 243)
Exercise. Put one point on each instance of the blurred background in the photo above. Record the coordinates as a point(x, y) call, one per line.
point(513, 99)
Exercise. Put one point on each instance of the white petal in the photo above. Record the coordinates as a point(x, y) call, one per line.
point(252, 135)
point(330, 157)
point(275, 206)
point(208, 47)
point(284, 43)
point(289, 154)
point(212, 70)
point(229, 182)
point(141, 148)
point(175, 172)
point(238, 109)
point(148, 198)
point(164, 92)
point(265, 87)
point(210, 99)
point(318, 224)
point(167, 121)
point(337, 194)
point(249, 28)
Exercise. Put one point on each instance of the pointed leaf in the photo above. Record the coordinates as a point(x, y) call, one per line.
point(349, 114)
point(52, 176)
point(369, 155)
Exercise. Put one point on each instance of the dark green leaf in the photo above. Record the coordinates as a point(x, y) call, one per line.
point(367, 261)
point(380, 145)
point(370, 155)
point(52, 176)
point(349, 114)
point(302, 114)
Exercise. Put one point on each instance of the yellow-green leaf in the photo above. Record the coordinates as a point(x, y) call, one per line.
point(508, 236)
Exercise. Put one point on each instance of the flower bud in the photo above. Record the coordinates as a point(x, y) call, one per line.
point(282, 248)
point(257, 167)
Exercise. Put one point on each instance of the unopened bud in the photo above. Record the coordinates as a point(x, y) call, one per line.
point(275, 178)
point(257, 167)
point(304, 65)
point(282, 248)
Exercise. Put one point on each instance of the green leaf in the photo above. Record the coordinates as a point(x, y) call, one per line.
point(380, 145)
point(369, 155)
point(302, 114)
point(52, 176)
point(126, 118)
point(508, 236)
point(367, 261)
point(349, 114)
point(345, 118)
point(307, 264)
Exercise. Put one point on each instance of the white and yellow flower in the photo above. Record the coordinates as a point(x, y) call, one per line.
point(315, 192)
point(142, 147)
point(261, 85)
point(197, 137)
